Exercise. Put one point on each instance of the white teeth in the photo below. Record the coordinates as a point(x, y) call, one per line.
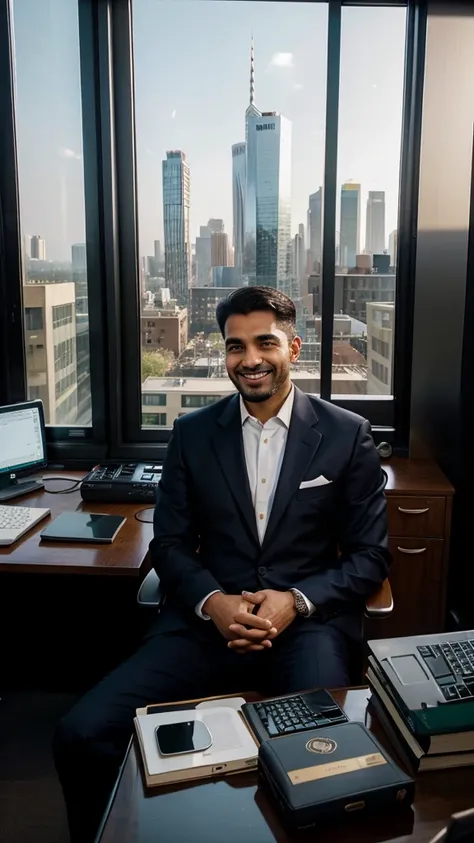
point(257, 376)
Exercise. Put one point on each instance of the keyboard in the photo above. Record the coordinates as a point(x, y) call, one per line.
point(451, 663)
point(292, 714)
point(15, 521)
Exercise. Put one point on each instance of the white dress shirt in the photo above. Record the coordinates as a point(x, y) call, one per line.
point(264, 448)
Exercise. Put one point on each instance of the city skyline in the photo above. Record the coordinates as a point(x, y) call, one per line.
point(290, 57)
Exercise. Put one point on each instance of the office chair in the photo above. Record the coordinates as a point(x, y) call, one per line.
point(379, 605)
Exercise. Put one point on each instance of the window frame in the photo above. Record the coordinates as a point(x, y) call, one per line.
point(110, 184)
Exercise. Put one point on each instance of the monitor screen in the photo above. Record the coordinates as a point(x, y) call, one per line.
point(22, 437)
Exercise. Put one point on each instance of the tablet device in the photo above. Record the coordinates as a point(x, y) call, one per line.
point(83, 527)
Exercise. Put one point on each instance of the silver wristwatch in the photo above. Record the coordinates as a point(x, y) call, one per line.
point(300, 603)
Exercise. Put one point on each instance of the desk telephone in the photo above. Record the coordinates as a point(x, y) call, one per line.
point(122, 483)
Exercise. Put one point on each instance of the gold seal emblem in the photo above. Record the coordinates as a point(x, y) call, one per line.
point(323, 746)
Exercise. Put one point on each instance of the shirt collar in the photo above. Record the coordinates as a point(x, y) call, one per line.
point(284, 414)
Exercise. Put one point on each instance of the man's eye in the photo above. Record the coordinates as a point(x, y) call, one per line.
point(267, 344)
point(234, 347)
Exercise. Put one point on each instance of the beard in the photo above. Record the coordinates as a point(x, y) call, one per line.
point(261, 392)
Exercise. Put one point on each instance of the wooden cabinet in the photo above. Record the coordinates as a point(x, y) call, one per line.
point(419, 503)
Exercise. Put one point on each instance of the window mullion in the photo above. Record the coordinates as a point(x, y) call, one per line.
point(329, 196)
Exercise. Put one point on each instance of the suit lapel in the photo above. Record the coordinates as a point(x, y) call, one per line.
point(301, 445)
point(229, 448)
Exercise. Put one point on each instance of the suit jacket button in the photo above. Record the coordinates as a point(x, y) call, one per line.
point(262, 570)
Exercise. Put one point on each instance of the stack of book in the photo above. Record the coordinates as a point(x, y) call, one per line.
point(420, 751)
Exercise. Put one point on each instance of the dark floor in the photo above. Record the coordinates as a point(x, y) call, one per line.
point(31, 804)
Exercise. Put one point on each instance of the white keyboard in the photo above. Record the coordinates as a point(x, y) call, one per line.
point(15, 521)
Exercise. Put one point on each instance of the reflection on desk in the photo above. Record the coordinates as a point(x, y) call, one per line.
point(124, 557)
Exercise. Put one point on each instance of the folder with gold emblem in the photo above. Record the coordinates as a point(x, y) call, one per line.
point(336, 771)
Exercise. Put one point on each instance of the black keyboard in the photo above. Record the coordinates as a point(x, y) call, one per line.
point(452, 665)
point(292, 714)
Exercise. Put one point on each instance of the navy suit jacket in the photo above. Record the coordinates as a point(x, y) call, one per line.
point(329, 541)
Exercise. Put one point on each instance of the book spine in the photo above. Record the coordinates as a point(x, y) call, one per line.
point(404, 752)
point(412, 722)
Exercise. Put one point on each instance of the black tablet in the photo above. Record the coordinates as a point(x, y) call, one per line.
point(83, 527)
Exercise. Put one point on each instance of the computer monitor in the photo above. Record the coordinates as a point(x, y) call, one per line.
point(22, 447)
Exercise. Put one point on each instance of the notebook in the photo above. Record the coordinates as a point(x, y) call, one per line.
point(83, 527)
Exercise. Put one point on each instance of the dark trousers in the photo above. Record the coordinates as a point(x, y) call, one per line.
point(90, 742)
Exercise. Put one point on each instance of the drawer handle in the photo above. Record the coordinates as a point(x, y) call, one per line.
point(413, 511)
point(412, 550)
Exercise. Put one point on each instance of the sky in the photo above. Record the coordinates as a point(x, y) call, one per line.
point(191, 62)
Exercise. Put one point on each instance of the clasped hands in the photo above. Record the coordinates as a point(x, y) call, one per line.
point(246, 628)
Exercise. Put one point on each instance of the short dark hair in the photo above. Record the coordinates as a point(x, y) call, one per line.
point(247, 300)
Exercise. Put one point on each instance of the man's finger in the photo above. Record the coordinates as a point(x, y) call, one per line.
point(242, 645)
point(254, 621)
point(254, 597)
point(251, 634)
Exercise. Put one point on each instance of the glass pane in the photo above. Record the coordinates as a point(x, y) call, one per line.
point(230, 150)
point(370, 125)
point(49, 136)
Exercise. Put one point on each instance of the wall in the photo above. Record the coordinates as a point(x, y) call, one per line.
point(442, 374)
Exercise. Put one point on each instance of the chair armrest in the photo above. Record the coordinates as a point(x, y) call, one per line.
point(149, 593)
point(380, 603)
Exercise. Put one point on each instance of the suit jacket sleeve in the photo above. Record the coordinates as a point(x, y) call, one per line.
point(362, 533)
point(174, 547)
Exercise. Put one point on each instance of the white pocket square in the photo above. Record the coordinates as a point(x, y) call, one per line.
point(318, 481)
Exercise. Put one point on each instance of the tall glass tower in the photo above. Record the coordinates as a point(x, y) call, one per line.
point(176, 205)
point(375, 223)
point(350, 224)
point(267, 258)
point(315, 229)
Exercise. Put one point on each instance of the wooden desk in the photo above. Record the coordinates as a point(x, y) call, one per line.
point(64, 631)
point(236, 810)
point(124, 557)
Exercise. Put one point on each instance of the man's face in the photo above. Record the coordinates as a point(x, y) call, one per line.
point(258, 355)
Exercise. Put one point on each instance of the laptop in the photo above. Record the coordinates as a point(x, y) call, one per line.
point(431, 678)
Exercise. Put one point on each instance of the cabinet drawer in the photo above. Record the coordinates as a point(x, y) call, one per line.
point(416, 516)
point(415, 579)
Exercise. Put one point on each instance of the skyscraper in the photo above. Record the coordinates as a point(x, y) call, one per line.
point(238, 201)
point(219, 249)
point(350, 224)
point(302, 274)
point(38, 248)
point(375, 223)
point(157, 250)
point(176, 205)
point(315, 229)
point(267, 257)
point(203, 257)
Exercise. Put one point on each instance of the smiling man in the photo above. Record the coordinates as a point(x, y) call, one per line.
point(270, 531)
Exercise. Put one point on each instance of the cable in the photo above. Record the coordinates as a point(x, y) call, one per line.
point(74, 488)
point(144, 520)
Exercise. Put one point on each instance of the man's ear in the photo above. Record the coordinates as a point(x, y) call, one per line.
point(295, 348)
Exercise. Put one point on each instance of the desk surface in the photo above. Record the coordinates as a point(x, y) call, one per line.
point(127, 553)
point(124, 557)
point(235, 810)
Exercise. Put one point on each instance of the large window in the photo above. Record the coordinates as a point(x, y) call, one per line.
point(50, 169)
point(205, 145)
point(369, 142)
point(230, 154)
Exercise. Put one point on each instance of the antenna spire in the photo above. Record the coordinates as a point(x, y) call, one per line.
point(252, 72)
